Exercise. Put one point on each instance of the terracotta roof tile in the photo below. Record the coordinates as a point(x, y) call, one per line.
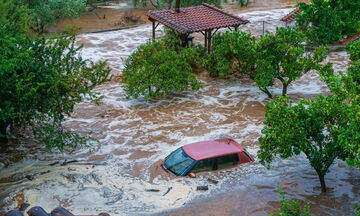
point(291, 16)
point(195, 19)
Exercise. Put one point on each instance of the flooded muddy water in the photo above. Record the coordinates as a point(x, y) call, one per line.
point(121, 174)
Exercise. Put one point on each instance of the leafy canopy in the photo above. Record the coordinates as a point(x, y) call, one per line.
point(155, 70)
point(328, 21)
point(50, 11)
point(42, 79)
point(324, 129)
point(280, 56)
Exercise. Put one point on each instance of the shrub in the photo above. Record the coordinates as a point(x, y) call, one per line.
point(153, 71)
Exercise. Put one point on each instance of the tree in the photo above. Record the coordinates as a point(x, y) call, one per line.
point(323, 129)
point(290, 207)
point(310, 127)
point(326, 22)
point(50, 11)
point(42, 79)
point(155, 71)
point(281, 56)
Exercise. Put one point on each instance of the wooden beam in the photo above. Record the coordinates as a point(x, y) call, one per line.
point(209, 41)
point(153, 29)
point(206, 40)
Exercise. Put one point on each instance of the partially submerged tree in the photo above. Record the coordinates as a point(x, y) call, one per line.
point(310, 127)
point(155, 71)
point(280, 56)
point(324, 129)
point(42, 79)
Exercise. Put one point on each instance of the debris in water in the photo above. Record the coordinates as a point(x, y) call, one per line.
point(213, 181)
point(169, 189)
point(152, 190)
point(52, 164)
point(68, 162)
point(96, 178)
point(29, 177)
point(204, 188)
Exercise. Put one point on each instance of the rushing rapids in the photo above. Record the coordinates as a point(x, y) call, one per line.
point(121, 174)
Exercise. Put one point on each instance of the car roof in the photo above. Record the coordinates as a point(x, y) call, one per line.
point(212, 148)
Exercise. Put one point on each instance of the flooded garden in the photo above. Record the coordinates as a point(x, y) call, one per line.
point(121, 174)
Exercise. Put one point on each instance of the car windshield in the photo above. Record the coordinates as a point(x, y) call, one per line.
point(179, 162)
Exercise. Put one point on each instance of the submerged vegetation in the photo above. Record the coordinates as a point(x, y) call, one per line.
point(290, 207)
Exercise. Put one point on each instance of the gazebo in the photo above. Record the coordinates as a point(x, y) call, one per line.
point(206, 19)
point(289, 19)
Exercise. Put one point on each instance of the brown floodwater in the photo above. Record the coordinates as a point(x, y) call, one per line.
point(121, 174)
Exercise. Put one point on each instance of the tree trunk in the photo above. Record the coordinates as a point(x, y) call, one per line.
point(284, 91)
point(322, 180)
point(266, 91)
point(3, 127)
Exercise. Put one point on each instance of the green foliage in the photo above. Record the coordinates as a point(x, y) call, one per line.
point(290, 207)
point(353, 48)
point(326, 22)
point(357, 210)
point(323, 129)
point(50, 11)
point(173, 40)
point(154, 71)
point(42, 79)
point(310, 127)
point(281, 56)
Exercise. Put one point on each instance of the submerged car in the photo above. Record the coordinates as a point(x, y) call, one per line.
point(206, 156)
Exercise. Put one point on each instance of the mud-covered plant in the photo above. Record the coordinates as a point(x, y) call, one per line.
point(290, 207)
point(152, 71)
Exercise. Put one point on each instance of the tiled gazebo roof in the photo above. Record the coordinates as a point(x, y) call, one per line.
point(291, 16)
point(198, 18)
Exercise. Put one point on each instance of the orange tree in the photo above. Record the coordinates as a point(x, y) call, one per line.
point(324, 129)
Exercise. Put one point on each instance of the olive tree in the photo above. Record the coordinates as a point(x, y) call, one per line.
point(42, 79)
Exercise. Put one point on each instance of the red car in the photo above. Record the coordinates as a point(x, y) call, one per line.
point(206, 156)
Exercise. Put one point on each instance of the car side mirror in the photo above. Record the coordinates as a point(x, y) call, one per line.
point(192, 175)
